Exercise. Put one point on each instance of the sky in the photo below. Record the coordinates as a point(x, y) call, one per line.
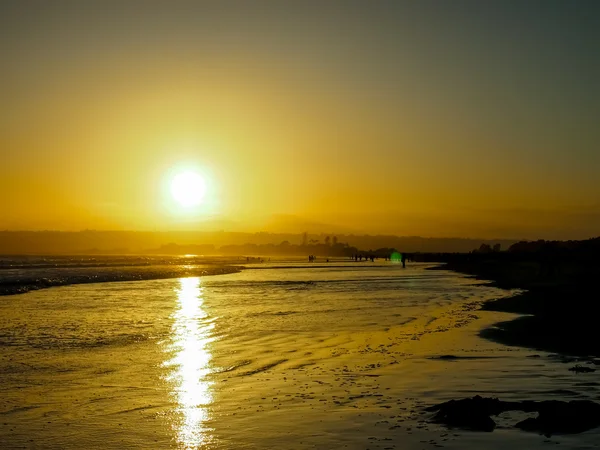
point(434, 118)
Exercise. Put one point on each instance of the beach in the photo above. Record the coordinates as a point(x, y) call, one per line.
point(286, 355)
point(556, 305)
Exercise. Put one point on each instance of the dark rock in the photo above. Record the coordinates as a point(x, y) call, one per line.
point(553, 416)
point(556, 417)
point(581, 369)
point(472, 413)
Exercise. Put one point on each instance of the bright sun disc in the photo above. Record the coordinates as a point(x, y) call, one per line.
point(188, 189)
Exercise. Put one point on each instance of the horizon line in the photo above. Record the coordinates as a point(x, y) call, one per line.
point(282, 232)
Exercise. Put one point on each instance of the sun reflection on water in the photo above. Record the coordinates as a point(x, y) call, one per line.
point(190, 364)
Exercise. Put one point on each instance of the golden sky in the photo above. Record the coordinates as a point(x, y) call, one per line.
point(414, 118)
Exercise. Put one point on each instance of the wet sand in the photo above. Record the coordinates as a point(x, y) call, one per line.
point(299, 358)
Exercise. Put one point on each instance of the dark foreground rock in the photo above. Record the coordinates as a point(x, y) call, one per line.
point(554, 417)
point(581, 369)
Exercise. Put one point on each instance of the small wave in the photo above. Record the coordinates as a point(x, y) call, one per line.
point(44, 342)
point(430, 321)
point(17, 410)
point(302, 365)
point(288, 284)
point(407, 320)
point(263, 368)
point(234, 367)
point(140, 408)
point(273, 313)
point(461, 357)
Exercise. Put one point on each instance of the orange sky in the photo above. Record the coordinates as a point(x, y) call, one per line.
point(366, 117)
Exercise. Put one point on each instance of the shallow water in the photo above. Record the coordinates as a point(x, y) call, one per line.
point(288, 356)
point(20, 274)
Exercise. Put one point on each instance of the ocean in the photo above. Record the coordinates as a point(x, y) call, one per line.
point(283, 354)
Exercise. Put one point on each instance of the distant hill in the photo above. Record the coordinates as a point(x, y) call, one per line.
point(123, 242)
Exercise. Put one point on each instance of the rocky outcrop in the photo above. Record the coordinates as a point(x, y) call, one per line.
point(554, 417)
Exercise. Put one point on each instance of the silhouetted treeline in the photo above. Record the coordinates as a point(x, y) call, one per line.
point(588, 246)
point(534, 261)
point(126, 242)
point(523, 250)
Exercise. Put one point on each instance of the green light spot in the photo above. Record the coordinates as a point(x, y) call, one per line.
point(396, 257)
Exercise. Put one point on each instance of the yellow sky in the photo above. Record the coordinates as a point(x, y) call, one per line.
point(332, 116)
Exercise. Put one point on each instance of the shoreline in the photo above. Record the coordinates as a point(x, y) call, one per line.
point(555, 314)
point(16, 287)
point(137, 272)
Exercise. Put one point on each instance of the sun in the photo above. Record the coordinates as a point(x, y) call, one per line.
point(188, 189)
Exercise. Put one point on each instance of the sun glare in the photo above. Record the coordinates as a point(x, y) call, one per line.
point(188, 189)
